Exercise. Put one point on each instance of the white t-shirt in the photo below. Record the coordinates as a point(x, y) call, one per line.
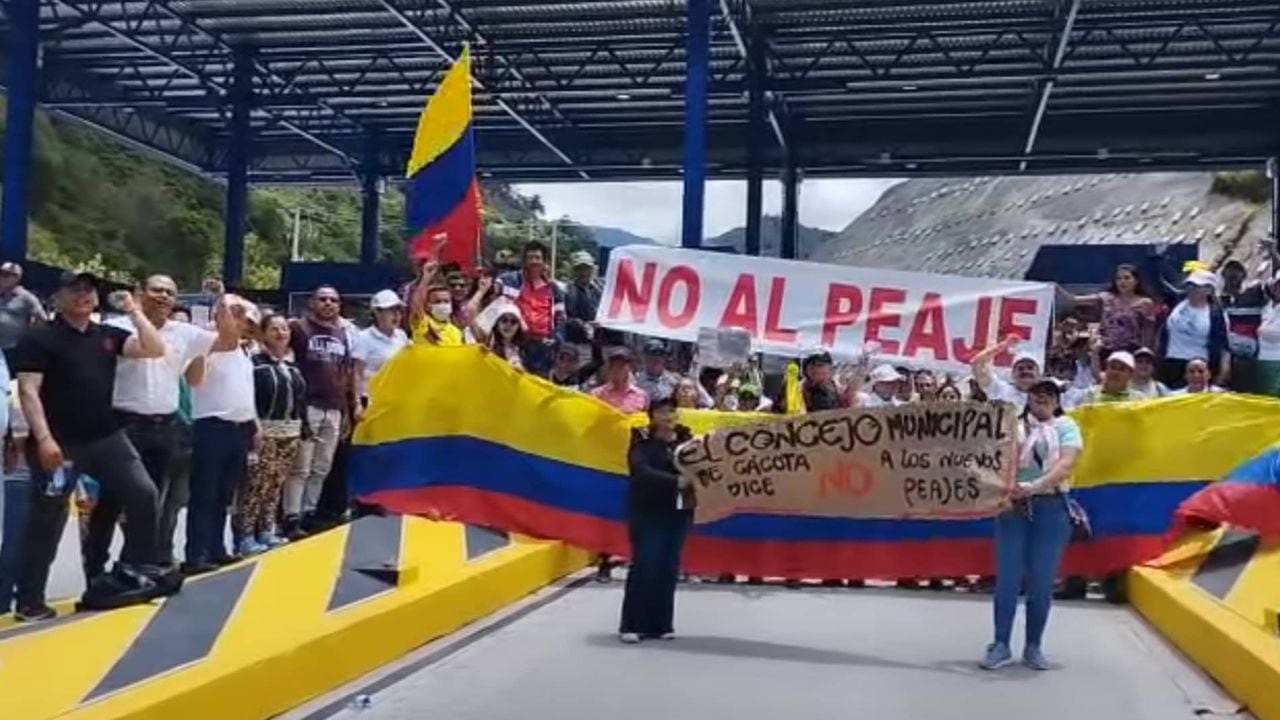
point(1269, 333)
point(227, 390)
point(1003, 391)
point(374, 349)
point(872, 400)
point(150, 386)
point(1188, 331)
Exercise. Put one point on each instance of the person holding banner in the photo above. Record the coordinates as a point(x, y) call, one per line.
point(1032, 534)
point(659, 511)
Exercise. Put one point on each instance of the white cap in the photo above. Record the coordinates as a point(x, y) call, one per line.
point(1025, 356)
point(885, 373)
point(1123, 357)
point(1202, 278)
point(385, 300)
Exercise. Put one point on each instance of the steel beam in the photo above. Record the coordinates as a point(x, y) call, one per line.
point(1046, 89)
point(790, 210)
point(1273, 173)
point(755, 142)
point(238, 154)
point(756, 61)
point(506, 107)
point(22, 84)
point(370, 200)
point(697, 54)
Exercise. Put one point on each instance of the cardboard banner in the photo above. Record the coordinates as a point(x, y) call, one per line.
point(792, 308)
point(938, 461)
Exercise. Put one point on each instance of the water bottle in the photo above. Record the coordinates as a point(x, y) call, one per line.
point(361, 702)
point(60, 483)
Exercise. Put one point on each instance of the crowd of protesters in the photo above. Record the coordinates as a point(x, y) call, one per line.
point(244, 423)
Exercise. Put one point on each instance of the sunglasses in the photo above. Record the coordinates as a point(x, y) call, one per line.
point(327, 300)
point(162, 291)
point(509, 321)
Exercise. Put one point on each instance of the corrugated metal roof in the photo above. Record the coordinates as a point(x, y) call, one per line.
point(964, 237)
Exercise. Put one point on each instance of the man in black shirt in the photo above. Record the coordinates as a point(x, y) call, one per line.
point(66, 376)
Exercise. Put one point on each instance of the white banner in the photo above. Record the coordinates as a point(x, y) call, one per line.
point(794, 308)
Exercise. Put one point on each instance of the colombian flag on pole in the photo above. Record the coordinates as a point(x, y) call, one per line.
point(443, 203)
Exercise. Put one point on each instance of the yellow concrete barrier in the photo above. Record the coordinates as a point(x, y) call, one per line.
point(1215, 596)
point(260, 637)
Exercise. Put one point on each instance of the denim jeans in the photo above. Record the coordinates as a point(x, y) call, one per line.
point(219, 466)
point(648, 604)
point(1030, 540)
point(17, 510)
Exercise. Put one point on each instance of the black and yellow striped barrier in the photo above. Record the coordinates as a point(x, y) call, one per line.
point(260, 637)
point(1216, 596)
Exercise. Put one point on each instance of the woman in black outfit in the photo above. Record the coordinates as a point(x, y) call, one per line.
point(659, 509)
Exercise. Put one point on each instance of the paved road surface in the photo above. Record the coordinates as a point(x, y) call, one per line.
point(748, 653)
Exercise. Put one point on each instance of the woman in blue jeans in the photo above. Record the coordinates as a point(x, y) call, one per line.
point(1033, 533)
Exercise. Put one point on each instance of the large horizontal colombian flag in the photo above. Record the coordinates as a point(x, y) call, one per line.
point(513, 452)
point(443, 204)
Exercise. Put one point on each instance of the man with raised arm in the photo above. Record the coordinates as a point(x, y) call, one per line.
point(66, 377)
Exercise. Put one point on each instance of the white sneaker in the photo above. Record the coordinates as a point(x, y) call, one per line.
point(629, 638)
point(667, 636)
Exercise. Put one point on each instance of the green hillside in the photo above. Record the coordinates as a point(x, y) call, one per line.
point(101, 204)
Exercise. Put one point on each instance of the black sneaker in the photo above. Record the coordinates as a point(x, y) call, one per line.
point(291, 528)
point(167, 580)
point(34, 614)
point(119, 588)
point(198, 567)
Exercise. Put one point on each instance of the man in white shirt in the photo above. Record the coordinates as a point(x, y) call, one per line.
point(146, 400)
point(224, 431)
point(1024, 373)
point(884, 388)
point(373, 346)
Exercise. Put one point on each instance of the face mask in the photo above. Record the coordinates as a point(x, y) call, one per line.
point(441, 311)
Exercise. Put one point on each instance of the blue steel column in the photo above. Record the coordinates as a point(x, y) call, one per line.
point(697, 62)
point(238, 152)
point(370, 251)
point(790, 209)
point(22, 84)
point(755, 141)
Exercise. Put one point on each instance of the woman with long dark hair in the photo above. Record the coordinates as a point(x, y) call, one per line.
point(1032, 534)
point(659, 509)
point(506, 337)
point(1128, 312)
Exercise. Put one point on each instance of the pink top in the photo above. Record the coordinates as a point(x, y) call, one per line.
point(630, 400)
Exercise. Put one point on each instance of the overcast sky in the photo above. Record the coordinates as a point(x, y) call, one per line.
point(652, 209)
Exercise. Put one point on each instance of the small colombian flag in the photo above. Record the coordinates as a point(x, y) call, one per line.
point(443, 204)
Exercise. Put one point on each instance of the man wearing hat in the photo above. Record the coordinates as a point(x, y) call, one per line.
point(66, 377)
point(654, 378)
point(884, 388)
point(618, 390)
point(1117, 375)
point(1024, 373)
point(19, 308)
point(1144, 381)
point(1243, 303)
point(582, 299)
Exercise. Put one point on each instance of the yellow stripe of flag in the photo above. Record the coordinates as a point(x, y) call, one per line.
point(446, 117)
